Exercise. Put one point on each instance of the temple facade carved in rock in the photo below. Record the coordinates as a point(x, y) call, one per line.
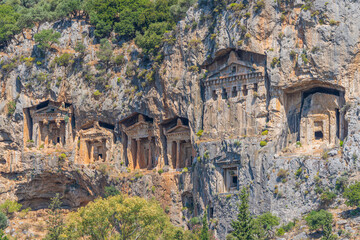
point(49, 124)
point(139, 141)
point(234, 94)
point(179, 148)
point(315, 113)
point(95, 142)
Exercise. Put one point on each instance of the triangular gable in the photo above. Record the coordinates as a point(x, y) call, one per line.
point(49, 109)
point(178, 128)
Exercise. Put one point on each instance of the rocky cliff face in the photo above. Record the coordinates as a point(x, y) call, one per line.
point(311, 52)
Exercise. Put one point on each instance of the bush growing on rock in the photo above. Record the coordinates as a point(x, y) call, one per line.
point(352, 194)
point(46, 38)
point(321, 220)
point(9, 207)
point(3, 221)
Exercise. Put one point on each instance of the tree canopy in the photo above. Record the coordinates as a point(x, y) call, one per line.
point(147, 20)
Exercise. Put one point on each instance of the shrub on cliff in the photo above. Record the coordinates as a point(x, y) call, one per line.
point(3, 221)
point(46, 38)
point(9, 207)
point(321, 220)
point(352, 194)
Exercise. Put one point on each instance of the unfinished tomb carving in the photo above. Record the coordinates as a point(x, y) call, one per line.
point(179, 148)
point(95, 142)
point(49, 123)
point(315, 115)
point(139, 141)
point(235, 94)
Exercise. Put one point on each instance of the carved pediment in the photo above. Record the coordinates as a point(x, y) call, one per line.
point(139, 130)
point(178, 129)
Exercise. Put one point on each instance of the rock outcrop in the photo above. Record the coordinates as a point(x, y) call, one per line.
point(265, 97)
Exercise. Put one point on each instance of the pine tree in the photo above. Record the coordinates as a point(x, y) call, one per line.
point(204, 235)
point(244, 226)
point(55, 222)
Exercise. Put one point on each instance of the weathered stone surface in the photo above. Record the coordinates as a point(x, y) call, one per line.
point(301, 54)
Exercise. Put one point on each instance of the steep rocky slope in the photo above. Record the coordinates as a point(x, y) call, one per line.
point(305, 43)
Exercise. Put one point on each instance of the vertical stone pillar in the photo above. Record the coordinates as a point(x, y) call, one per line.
point(138, 150)
point(177, 154)
point(149, 163)
point(36, 133)
point(92, 154)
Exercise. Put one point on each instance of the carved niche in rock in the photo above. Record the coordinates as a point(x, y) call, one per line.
point(314, 114)
point(48, 123)
point(139, 141)
point(234, 94)
point(179, 148)
point(95, 142)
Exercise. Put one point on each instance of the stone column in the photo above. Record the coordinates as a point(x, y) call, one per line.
point(149, 164)
point(177, 154)
point(36, 133)
point(91, 153)
point(138, 149)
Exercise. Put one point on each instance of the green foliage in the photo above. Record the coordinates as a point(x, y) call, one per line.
point(80, 47)
point(275, 62)
point(304, 58)
point(341, 143)
point(97, 93)
point(119, 59)
point(46, 38)
point(265, 132)
point(3, 236)
point(327, 197)
point(200, 133)
point(298, 172)
point(161, 171)
point(341, 183)
point(3, 221)
point(111, 191)
point(282, 173)
point(332, 22)
point(321, 220)
point(121, 218)
point(264, 224)
point(9, 207)
point(8, 26)
point(204, 234)
point(64, 59)
point(352, 194)
point(260, 4)
point(55, 224)
point(11, 107)
point(105, 51)
point(263, 143)
point(243, 227)
point(194, 69)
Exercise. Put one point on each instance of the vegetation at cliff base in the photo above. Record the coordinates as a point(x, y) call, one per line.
point(246, 227)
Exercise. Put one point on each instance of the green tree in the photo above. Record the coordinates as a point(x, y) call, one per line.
point(9, 207)
point(3, 221)
point(120, 217)
point(46, 38)
point(204, 234)
point(352, 194)
point(244, 227)
point(265, 224)
point(8, 26)
point(321, 220)
point(55, 222)
point(3, 236)
point(105, 52)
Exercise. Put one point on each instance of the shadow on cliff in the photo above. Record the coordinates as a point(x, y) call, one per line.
point(75, 189)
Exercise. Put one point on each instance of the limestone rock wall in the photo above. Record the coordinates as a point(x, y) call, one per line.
point(305, 47)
